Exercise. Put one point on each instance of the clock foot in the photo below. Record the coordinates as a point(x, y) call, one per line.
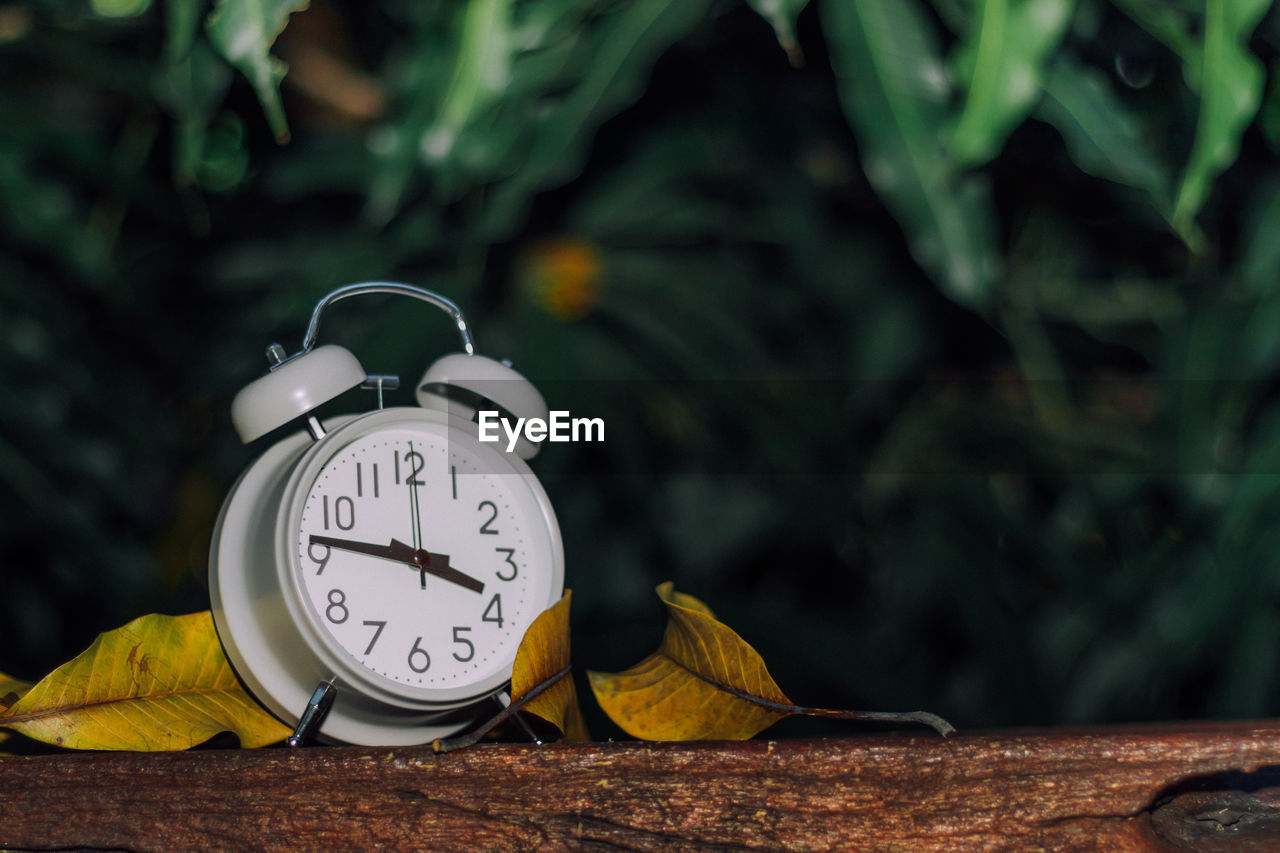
point(504, 699)
point(317, 707)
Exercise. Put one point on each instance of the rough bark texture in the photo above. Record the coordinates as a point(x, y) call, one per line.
point(1150, 788)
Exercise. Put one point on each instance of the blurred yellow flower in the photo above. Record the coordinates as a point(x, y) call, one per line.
point(563, 276)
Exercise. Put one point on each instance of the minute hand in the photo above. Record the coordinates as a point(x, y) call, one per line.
point(397, 551)
point(425, 561)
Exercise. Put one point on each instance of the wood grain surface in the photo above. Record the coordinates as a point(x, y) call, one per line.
point(1194, 786)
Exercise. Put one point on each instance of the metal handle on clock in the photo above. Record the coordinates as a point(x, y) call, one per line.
point(362, 288)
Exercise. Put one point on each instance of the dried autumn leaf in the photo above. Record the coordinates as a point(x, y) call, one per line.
point(541, 682)
point(706, 683)
point(678, 692)
point(544, 655)
point(11, 690)
point(158, 683)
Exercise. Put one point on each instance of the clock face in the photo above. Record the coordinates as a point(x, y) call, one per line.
point(423, 556)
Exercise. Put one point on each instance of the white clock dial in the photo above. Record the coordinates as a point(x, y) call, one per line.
point(423, 558)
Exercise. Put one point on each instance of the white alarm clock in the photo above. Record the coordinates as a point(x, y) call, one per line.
point(372, 576)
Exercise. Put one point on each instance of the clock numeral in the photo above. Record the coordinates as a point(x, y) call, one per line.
point(360, 480)
point(377, 632)
point(459, 640)
point(337, 611)
point(453, 476)
point(413, 463)
point(419, 660)
point(320, 562)
point(344, 512)
point(493, 610)
point(506, 555)
point(484, 528)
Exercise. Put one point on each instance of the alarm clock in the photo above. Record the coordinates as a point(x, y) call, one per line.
point(371, 575)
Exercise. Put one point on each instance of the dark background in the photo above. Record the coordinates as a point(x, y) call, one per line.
point(943, 391)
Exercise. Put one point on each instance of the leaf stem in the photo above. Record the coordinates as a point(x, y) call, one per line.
point(471, 738)
point(924, 718)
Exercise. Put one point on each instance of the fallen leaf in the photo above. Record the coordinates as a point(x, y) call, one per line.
point(544, 655)
point(11, 690)
point(679, 692)
point(707, 683)
point(541, 682)
point(158, 683)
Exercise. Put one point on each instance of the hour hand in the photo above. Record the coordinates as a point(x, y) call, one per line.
point(438, 565)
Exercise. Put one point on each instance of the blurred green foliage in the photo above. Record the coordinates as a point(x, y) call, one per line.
point(936, 339)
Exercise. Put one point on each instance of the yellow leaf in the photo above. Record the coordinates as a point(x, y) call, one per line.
point(158, 683)
point(668, 593)
point(11, 690)
point(706, 683)
point(543, 655)
point(687, 689)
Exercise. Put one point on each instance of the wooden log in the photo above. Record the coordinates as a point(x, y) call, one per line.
point(1177, 787)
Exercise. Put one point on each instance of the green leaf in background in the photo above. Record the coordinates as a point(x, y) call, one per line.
point(192, 88)
point(781, 15)
point(1269, 115)
point(1260, 265)
point(1001, 62)
point(1102, 136)
point(895, 92)
point(1230, 93)
point(626, 44)
point(37, 210)
point(181, 24)
point(191, 84)
point(119, 8)
point(480, 75)
point(515, 103)
point(1169, 25)
point(243, 32)
point(397, 146)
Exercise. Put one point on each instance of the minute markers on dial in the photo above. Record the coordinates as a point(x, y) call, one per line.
point(414, 558)
point(463, 634)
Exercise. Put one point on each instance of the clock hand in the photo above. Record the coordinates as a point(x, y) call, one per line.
point(415, 518)
point(415, 514)
point(397, 551)
point(438, 565)
point(416, 558)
